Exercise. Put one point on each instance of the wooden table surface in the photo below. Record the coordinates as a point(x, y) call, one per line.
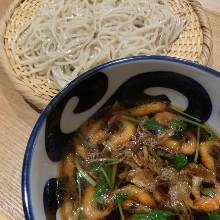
point(17, 119)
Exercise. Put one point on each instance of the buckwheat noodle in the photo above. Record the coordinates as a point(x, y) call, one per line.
point(67, 37)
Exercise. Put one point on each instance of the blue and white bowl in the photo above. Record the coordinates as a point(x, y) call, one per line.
point(194, 88)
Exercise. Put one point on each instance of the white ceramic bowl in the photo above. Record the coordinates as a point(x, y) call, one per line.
point(193, 87)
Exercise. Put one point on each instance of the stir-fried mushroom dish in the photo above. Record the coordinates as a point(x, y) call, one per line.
point(146, 162)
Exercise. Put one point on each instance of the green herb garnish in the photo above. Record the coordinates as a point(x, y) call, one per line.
point(209, 134)
point(179, 161)
point(207, 191)
point(178, 125)
point(101, 190)
point(103, 185)
point(185, 114)
point(190, 121)
point(154, 215)
point(215, 215)
point(106, 176)
point(78, 180)
point(121, 212)
point(152, 125)
point(197, 145)
point(82, 173)
point(120, 198)
point(109, 161)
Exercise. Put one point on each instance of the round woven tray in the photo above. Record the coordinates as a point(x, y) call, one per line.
point(194, 43)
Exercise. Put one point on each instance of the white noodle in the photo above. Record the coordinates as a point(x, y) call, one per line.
point(68, 37)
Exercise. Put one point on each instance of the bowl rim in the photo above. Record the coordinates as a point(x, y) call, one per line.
point(25, 181)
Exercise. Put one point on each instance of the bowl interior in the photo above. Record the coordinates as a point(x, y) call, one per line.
point(192, 87)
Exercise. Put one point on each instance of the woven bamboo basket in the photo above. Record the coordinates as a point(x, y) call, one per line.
point(194, 43)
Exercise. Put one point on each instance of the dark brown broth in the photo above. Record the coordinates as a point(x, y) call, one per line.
point(100, 138)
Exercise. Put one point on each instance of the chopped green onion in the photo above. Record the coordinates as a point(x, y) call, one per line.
point(208, 191)
point(114, 172)
point(197, 145)
point(179, 161)
point(185, 114)
point(215, 215)
point(121, 212)
point(152, 125)
point(178, 125)
point(84, 174)
point(78, 177)
point(154, 215)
